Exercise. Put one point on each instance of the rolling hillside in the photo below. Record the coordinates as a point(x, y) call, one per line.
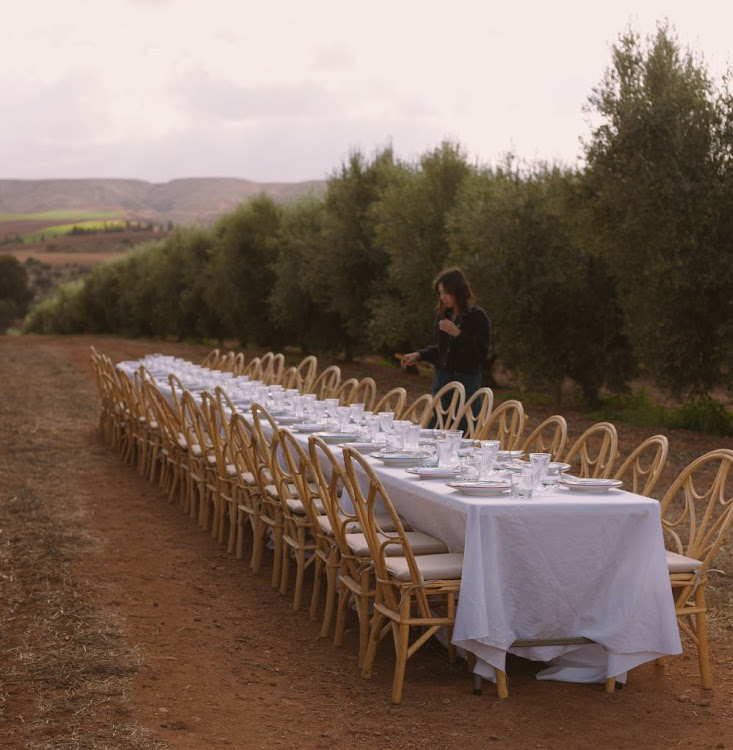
point(182, 202)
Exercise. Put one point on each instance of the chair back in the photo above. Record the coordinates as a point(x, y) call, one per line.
point(644, 465)
point(697, 509)
point(594, 453)
point(505, 424)
point(345, 392)
point(210, 359)
point(394, 400)
point(475, 412)
point(325, 385)
point(419, 410)
point(550, 436)
point(447, 404)
point(371, 500)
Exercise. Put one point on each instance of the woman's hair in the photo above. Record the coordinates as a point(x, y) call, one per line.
point(455, 283)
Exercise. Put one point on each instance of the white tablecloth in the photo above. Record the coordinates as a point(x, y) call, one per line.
point(559, 565)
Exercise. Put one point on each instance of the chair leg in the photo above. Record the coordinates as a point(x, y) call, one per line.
point(377, 621)
point(330, 600)
point(316, 594)
point(402, 644)
point(343, 604)
point(502, 689)
point(610, 685)
point(701, 630)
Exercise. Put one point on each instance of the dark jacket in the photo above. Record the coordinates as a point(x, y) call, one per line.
point(466, 352)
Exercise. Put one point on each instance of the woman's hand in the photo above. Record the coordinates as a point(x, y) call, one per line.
point(449, 327)
point(409, 359)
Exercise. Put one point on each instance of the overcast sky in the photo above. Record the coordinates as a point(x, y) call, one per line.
point(283, 90)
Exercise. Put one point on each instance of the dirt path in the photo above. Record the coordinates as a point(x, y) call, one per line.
point(123, 625)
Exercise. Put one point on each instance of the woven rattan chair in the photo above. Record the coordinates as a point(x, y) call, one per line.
point(326, 384)
point(505, 424)
point(550, 436)
point(594, 453)
point(697, 511)
point(418, 410)
point(644, 465)
point(475, 412)
point(394, 400)
point(302, 375)
point(412, 591)
point(210, 359)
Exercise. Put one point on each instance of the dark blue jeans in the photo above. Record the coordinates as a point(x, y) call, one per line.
point(470, 382)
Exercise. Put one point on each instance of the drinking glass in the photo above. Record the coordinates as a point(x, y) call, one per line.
point(540, 463)
point(412, 437)
point(488, 451)
point(523, 482)
point(447, 453)
point(385, 420)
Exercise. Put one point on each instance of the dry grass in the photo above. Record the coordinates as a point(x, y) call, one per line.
point(65, 666)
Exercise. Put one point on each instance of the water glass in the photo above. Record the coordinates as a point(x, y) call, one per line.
point(488, 452)
point(447, 453)
point(385, 420)
point(540, 463)
point(523, 482)
point(411, 437)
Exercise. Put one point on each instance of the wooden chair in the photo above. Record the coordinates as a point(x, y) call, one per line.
point(505, 424)
point(645, 464)
point(196, 467)
point(697, 511)
point(249, 498)
point(446, 405)
point(302, 375)
point(365, 393)
point(253, 369)
point(419, 410)
point(325, 385)
point(210, 359)
point(412, 591)
point(550, 436)
point(594, 453)
point(271, 514)
point(273, 367)
point(394, 400)
point(348, 576)
point(345, 392)
point(474, 413)
point(239, 363)
point(300, 505)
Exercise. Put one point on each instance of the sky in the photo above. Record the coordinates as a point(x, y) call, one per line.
point(285, 90)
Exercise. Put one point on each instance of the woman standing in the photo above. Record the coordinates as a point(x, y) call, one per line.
point(462, 333)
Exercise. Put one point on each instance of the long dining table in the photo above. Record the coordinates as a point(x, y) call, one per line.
point(561, 566)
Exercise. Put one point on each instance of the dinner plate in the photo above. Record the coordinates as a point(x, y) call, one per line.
point(288, 419)
point(488, 487)
point(594, 486)
point(361, 447)
point(433, 472)
point(307, 427)
point(509, 455)
point(337, 437)
point(405, 458)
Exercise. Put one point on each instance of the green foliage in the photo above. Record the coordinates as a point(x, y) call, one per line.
point(701, 415)
point(15, 294)
point(411, 230)
point(660, 184)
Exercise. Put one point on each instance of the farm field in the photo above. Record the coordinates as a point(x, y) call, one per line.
point(125, 627)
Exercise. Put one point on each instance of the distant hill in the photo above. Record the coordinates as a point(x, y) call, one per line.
point(183, 202)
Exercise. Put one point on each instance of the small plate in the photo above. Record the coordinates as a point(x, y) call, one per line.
point(594, 486)
point(488, 487)
point(307, 427)
point(509, 455)
point(336, 437)
point(287, 419)
point(433, 472)
point(406, 458)
point(361, 447)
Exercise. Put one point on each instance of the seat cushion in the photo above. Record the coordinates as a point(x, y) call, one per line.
point(677, 563)
point(421, 544)
point(446, 567)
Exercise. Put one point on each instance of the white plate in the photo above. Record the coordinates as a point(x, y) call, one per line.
point(497, 487)
point(361, 447)
point(557, 467)
point(307, 427)
point(336, 437)
point(433, 472)
point(288, 419)
point(414, 458)
point(509, 455)
point(594, 486)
